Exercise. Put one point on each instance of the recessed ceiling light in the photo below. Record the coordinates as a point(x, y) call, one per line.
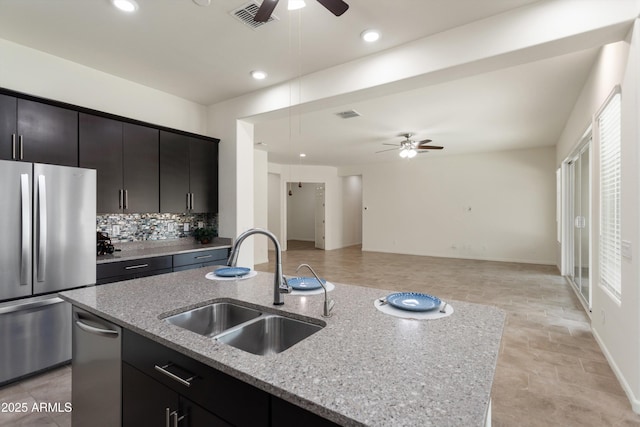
point(125, 5)
point(303, 155)
point(370, 35)
point(258, 75)
point(202, 2)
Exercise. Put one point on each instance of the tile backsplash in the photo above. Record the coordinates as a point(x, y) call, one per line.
point(152, 226)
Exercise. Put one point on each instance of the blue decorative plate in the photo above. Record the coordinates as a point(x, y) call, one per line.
point(305, 283)
point(413, 301)
point(232, 271)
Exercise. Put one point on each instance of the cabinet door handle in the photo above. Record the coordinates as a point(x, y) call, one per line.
point(13, 146)
point(163, 370)
point(167, 417)
point(188, 201)
point(120, 199)
point(126, 199)
point(21, 148)
point(204, 256)
point(133, 267)
point(192, 202)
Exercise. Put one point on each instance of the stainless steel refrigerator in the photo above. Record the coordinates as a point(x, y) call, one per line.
point(47, 244)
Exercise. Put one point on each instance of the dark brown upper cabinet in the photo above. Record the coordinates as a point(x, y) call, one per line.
point(188, 174)
point(32, 131)
point(126, 157)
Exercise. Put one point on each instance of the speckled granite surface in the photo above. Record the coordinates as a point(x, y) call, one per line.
point(362, 368)
point(147, 249)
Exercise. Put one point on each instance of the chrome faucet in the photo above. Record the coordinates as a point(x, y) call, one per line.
point(328, 304)
point(280, 285)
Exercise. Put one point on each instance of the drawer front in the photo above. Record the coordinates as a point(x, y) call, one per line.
point(236, 402)
point(105, 280)
point(134, 267)
point(200, 257)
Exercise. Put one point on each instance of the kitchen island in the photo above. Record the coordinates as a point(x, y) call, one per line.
point(363, 368)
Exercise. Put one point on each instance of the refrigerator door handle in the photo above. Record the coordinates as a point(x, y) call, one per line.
point(26, 229)
point(42, 229)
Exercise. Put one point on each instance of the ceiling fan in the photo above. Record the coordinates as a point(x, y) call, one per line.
point(337, 7)
point(410, 148)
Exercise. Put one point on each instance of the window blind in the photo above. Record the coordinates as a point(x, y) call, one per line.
point(610, 255)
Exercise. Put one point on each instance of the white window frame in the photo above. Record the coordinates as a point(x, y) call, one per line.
point(608, 124)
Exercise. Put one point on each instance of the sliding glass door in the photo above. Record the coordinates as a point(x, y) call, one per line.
point(580, 205)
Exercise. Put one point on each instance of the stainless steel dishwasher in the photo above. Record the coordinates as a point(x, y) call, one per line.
point(96, 371)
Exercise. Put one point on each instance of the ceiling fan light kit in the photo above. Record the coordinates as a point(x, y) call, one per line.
point(337, 7)
point(410, 148)
point(296, 4)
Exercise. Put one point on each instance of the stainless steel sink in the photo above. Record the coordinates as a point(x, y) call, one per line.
point(213, 319)
point(269, 334)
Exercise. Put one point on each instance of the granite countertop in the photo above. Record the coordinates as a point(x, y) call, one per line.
point(363, 368)
point(148, 249)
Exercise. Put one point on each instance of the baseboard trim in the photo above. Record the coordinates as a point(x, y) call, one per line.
point(635, 402)
point(469, 257)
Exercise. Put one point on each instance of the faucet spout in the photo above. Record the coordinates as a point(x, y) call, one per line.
point(328, 304)
point(280, 285)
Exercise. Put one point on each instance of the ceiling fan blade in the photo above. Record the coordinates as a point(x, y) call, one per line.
point(266, 9)
point(394, 145)
point(430, 147)
point(337, 7)
point(424, 141)
point(382, 151)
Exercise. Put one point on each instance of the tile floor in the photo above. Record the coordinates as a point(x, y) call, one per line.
point(550, 370)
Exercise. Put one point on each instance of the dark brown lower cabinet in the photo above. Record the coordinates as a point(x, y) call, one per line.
point(146, 402)
point(285, 414)
point(158, 382)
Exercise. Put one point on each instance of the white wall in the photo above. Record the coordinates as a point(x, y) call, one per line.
point(616, 326)
point(494, 206)
point(36, 73)
point(352, 210)
point(261, 204)
point(301, 212)
point(274, 213)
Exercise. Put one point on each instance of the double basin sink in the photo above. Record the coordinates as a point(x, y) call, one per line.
point(246, 328)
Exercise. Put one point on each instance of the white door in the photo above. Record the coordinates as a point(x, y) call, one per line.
point(319, 217)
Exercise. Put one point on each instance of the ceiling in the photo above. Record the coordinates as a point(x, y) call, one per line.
point(205, 55)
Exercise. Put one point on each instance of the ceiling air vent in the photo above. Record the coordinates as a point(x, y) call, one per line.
point(349, 114)
point(246, 13)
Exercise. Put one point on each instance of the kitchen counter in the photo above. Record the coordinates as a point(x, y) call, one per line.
point(148, 249)
point(363, 368)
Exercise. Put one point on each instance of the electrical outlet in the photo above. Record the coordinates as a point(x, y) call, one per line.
point(115, 230)
point(200, 224)
point(186, 227)
point(171, 227)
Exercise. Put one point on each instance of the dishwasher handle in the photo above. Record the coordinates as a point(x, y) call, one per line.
point(104, 331)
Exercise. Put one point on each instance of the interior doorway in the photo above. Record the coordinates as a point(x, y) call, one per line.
point(306, 213)
point(578, 220)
